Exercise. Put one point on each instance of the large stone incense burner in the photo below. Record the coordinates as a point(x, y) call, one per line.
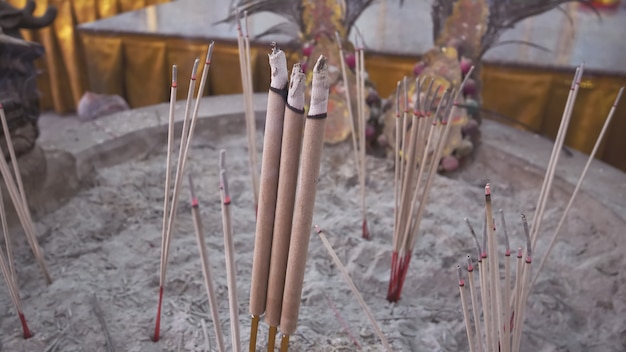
point(106, 240)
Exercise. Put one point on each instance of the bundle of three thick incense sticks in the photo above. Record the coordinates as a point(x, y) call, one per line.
point(289, 174)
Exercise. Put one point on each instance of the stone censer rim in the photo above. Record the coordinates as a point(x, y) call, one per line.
point(146, 128)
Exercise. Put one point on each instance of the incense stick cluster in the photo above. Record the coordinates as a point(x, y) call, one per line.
point(420, 140)
point(289, 174)
point(172, 196)
point(358, 131)
point(15, 187)
point(503, 305)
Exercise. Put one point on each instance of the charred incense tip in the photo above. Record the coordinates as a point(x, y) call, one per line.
point(209, 53)
point(297, 88)
point(405, 86)
point(416, 104)
point(224, 183)
point(398, 98)
point(321, 65)
point(279, 71)
point(459, 275)
point(507, 245)
point(487, 190)
point(338, 38)
point(318, 229)
point(222, 159)
point(470, 266)
point(194, 200)
point(194, 70)
point(174, 77)
point(520, 252)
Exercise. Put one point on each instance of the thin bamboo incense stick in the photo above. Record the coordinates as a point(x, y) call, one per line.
point(362, 122)
point(521, 307)
point(596, 146)
point(231, 270)
point(396, 210)
point(475, 307)
point(494, 265)
point(505, 343)
point(567, 114)
point(270, 166)
point(206, 268)
point(168, 175)
point(244, 58)
point(30, 231)
point(287, 182)
point(355, 290)
point(312, 146)
point(171, 215)
point(466, 317)
point(250, 103)
point(346, 85)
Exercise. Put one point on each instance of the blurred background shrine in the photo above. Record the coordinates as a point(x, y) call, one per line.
point(126, 48)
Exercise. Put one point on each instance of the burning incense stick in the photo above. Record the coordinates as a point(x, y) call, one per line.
point(270, 164)
point(243, 44)
point(596, 146)
point(231, 269)
point(355, 290)
point(312, 146)
point(287, 181)
point(21, 204)
point(494, 266)
point(206, 268)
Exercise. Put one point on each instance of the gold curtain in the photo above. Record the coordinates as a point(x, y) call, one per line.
point(63, 77)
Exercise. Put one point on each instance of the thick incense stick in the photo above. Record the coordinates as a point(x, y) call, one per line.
point(243, 44)
point(355, 290)
point(596, 146)
point(312, 146)
point(206, 268)
point(21, 206)
point(466, 316)
point(231, 270)
point(269, 181)
point(287, 181)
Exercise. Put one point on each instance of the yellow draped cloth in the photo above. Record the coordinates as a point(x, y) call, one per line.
point(63, 77)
